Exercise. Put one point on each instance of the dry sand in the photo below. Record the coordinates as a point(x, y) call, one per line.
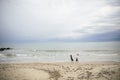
point(60, 71)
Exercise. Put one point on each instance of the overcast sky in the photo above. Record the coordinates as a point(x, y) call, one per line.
point(59, 20)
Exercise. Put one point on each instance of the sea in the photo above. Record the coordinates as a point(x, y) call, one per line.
point(60, 52)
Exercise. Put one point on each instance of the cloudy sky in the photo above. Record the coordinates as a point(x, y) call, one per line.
point(59, 20)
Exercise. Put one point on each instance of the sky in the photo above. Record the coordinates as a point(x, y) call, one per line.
point(59, 20)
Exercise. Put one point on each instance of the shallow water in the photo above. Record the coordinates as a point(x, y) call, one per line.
point(59, 52)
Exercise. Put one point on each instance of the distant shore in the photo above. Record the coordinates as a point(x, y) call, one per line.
point(60, 71)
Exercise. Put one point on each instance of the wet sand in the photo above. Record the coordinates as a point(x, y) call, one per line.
point(60, 71)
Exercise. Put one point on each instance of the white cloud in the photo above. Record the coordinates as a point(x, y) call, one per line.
point(47, 19)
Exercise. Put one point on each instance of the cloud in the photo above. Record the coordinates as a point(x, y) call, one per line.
point(107, 20)
point(114, 2)
point(108, 36)
point(46, 20)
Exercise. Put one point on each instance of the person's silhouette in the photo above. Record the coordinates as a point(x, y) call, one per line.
point(76, 59)
point(71, 58)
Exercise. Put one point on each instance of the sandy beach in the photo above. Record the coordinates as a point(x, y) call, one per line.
point(60, 71)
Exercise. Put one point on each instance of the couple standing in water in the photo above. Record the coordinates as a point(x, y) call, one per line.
point(76, 59)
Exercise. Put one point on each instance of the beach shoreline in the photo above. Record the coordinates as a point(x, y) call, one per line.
point(60, 71)
point(80, 62)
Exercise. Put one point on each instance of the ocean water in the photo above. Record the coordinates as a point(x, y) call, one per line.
point(60, 52)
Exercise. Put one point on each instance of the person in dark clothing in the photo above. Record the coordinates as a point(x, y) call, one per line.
point(71, 58)
point(76, 59)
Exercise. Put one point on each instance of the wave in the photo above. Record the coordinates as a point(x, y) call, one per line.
point(59, 55)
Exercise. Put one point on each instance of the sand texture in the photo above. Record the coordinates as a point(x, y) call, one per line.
point(60, 71)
